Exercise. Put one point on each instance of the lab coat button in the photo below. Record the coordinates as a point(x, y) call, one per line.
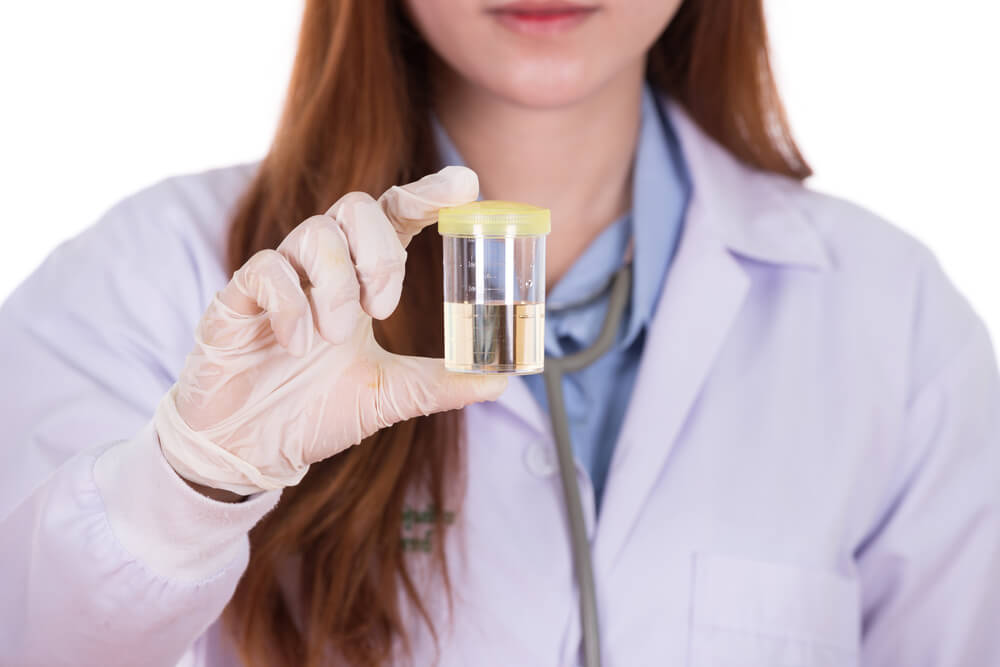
point(539, 460)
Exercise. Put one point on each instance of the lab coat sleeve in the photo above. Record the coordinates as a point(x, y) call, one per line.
point(106, 556)
point(931, 571)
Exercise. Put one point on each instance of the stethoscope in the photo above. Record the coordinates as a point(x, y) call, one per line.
point(619, 287)
point(555, 368)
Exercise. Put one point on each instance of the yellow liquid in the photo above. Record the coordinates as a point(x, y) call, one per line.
point(494, 337)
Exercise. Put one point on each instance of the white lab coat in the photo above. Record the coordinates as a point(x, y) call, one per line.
point(808, 473)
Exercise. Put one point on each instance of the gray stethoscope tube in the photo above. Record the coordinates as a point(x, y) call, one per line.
point(555, 368)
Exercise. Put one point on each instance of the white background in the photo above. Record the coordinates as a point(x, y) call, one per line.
point(895, 104)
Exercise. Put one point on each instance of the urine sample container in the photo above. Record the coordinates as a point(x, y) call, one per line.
point(494, 286)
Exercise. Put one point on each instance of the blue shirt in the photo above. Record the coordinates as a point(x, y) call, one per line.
point(597, 396)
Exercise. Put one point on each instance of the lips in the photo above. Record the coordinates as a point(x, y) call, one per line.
point(541, 17)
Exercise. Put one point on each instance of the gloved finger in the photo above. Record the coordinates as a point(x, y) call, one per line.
point(414, 386)
point(318, 251)
point(265, 283)
point(413, 206)
point(379, 257)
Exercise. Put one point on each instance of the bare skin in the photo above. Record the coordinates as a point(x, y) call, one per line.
point(575, 160)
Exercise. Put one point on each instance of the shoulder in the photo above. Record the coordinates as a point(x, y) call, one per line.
point(134, 283)
point(189, 212)
point(855, 237)
point(885, 282)
point(779, 222)
point(168, 238)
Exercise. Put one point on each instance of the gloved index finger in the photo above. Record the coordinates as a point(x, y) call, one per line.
point(413, 206)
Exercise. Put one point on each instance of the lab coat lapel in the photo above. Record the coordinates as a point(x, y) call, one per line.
point(703, 294)
point(733, 212)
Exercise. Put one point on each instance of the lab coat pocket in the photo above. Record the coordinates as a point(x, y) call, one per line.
point(760, 614)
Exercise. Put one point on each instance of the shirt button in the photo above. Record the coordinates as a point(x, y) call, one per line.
point(540, 460)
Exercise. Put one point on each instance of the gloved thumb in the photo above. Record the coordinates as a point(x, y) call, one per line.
point(415, 386)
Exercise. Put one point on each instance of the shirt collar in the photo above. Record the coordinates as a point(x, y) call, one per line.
point(573, 306)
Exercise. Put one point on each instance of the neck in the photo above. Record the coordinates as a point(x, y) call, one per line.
point(575, 160)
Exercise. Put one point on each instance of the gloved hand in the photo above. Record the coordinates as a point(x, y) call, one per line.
point(285, 369)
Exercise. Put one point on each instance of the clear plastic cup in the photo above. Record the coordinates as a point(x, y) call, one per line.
point(494, 287)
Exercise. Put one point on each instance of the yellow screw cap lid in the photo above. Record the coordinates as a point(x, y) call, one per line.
point(494, 218)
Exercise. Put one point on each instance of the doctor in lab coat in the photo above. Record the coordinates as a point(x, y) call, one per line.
point(806, 471)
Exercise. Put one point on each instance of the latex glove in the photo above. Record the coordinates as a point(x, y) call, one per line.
point(286, 371)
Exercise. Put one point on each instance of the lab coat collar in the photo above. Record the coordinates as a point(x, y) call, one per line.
point(754, 214)
point(701, 299)
point(734, 211)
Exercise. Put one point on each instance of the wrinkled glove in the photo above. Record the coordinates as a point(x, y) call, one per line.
point(286, 371)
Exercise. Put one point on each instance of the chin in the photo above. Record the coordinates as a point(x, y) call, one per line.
point(544, 87)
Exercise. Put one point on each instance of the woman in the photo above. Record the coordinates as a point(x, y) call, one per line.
point(789, 456)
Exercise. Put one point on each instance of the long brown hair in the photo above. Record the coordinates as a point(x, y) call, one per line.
point(355, 118)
